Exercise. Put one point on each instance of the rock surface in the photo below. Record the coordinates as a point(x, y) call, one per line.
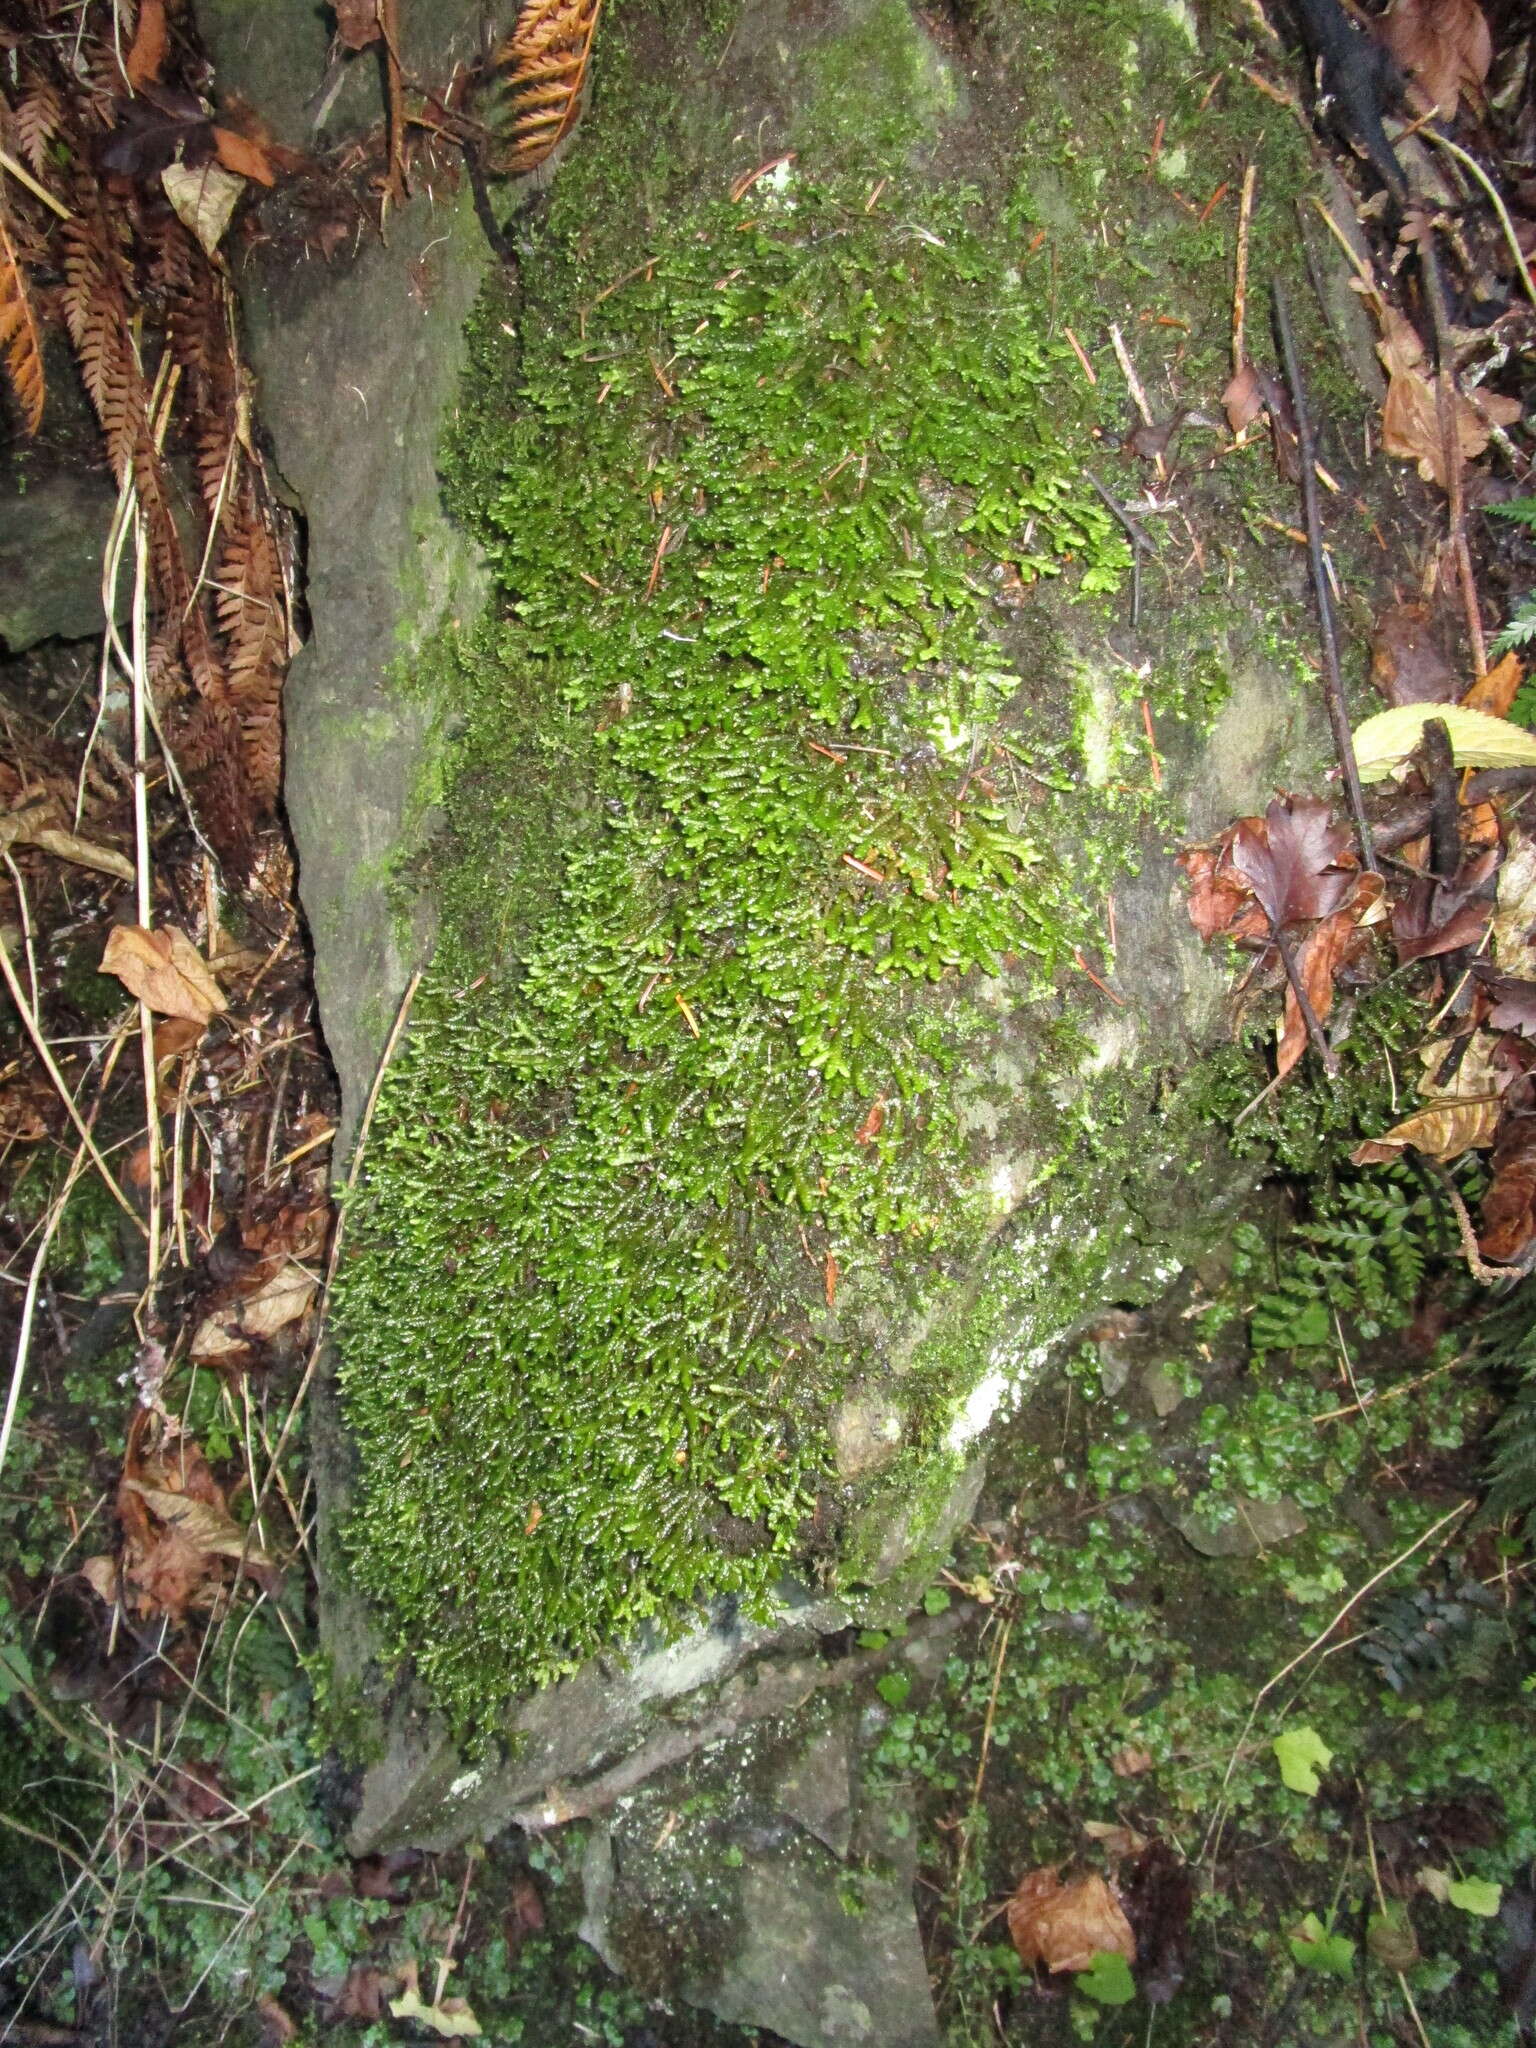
point(803, 1877)
point(360, 364)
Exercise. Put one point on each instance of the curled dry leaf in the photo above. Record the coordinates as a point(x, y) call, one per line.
point(204, 198)
point(1442, 1130)
point(1443, 45)
point(150, 42)
point(1063, 1927)
point(258, 1316)
point(36, 825)
point(1318, 959)
point(247, 159)
point(210, 1529)
point(165, 970)
point(1410, 416)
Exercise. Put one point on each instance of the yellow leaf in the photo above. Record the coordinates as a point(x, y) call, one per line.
point(452, 2019)
point(1385, 742)
point(1443, 1130)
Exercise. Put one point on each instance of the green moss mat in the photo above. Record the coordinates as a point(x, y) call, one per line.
point(764, 806)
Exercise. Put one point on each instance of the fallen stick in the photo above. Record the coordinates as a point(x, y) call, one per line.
point(1333, 678)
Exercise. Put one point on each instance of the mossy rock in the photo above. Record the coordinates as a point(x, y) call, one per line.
point(792, 782)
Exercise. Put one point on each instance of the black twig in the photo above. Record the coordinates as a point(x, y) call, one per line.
point(1333, 678)
point(1135, 533)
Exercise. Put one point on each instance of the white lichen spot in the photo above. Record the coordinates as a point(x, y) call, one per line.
point(1173, 165)
point(1004, 1187)
point(465, 1782)
point(985, 1398)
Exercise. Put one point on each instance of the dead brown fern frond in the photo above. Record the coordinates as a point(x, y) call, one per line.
point(19, 341)
point(251, 606)
point(542, 67)
point(39, 117)
point(96, 314)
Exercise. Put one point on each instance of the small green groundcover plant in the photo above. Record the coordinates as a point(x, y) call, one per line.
point(733, 830)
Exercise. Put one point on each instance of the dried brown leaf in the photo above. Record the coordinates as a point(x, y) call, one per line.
point(357, 22)
point(1063, 1927)
point(165, 970)
point(1441, 1130)
point(257, 1316)
point(1295, 859)
point(1495, 691)
point(1408, 665)
point(247, 159)
point(151, 40)
point(1443, 45)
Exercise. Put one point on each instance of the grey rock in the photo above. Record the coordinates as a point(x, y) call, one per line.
point(819, 1975)
point(866, 1434)
point(53, 528)
point(816, 1791)
point(760, 1929)
point(1253, 1527)
point(1162, 1389)
point(358, 368)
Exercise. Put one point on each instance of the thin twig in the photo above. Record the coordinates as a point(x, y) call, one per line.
point(1333, 679)
point(1522, 265)
point(144, 887)
point(986, 1745)
point(24, 177)
point(1447, 399)
point(1240, 281)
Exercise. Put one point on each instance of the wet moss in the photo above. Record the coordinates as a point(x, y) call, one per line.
point(765, 815)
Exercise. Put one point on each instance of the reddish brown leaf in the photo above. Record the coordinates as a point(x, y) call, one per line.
point(1509, 1207)
point(1063, 1927)
point(1430, 918)
point(1244, 398)
point(1443, 45)
point(245, 158)
point(357, 23)
point(1408, 665)
point(1318, 959)
point(150, 42)
point(1514, 1004)
point(1215, 896)
point(1295, 859)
